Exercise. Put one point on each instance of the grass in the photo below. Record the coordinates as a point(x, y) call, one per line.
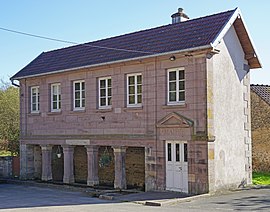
point(260, 178)
point(4, 153)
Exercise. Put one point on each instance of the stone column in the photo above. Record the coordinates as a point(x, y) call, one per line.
point(120, 167)
point(68, 164)
point(46, 162)
point(92, 161)
point(26, 161)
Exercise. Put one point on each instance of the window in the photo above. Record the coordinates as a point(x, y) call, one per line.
point(78, 95)
point(35, 99)
point(176, 86)
point(134, 90)
point(105, 92)
point(55, 97)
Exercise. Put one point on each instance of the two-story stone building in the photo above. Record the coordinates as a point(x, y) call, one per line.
point(163, 108)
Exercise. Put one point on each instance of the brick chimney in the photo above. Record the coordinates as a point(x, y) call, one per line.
point(180, 16)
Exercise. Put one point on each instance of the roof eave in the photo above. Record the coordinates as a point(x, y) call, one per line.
point(116, 61)
point(237, 21)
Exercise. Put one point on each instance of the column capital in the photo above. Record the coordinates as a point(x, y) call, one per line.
point(46, 147)
point(117, 149)
point(91, 148)
point(67, 147)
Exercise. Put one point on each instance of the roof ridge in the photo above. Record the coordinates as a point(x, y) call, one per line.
point(139, 31)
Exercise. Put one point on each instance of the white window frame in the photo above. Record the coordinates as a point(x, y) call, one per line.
point(81, 107)
point(58, 97)
point(107, 105)
point(136, 104)
point(177, 102)
point(37, 99)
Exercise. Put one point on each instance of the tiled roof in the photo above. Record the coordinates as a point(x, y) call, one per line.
point(169, 38)
point(263, 91)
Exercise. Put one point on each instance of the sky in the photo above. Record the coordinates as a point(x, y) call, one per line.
point(82, 21)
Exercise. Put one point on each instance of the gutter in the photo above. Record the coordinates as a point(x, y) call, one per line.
point(209, 46)
point(13, 83)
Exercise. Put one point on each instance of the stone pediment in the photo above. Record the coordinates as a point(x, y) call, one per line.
point(175, 120)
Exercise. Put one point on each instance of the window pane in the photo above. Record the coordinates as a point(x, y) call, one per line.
point(59, 97)
point(102, 101)
point(77, 95)
point(77, 103)
point(139, 89)
point(110, 101)
point(182, 85)
point(172, 86)
point(59, 105)
point(54, 105)
point(172, 75)
point(181, 75)
point(102, 83)
point(34, 99)
point(131, 80)
point(34, 108)
point(109, 82)
point(83, 85)
point(109, 92)
point(131, 99)
point(139, 79)
point(139, 98)
point(54, 98)
point(34, 91)
point(83, 102)
point(172, 96)
point(102, 92)
point(177, 153)
point(185, 153)
point(83, 94)
point(131, 90)
point(181, 95)
point(77, 86)
point(169, 146)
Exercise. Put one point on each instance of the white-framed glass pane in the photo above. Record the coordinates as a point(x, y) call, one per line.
point(176, 86)
point(134, 89)
point(169, 153)
point(105, 92)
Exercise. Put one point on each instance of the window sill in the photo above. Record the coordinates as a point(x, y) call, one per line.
point(176, 106)
point(134, 109)
point(104, 110)
point(54, 113)
point(78, 111)
point(34, 114)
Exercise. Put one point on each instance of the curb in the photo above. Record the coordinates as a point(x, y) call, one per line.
point(173, 201)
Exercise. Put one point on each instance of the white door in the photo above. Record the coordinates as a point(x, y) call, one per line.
point(176, 166)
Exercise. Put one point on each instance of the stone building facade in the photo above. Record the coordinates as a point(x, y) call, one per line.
point(260, 126)
point(171, 115)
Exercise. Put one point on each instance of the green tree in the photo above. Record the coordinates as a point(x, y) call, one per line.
point(9, 118)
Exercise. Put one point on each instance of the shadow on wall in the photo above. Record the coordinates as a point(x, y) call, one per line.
point(235, 50)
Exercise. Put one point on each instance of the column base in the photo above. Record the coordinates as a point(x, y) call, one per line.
point(68, 180)
point(92, 182)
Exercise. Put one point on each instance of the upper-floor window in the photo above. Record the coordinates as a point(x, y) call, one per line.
point(55, 97)
point(134, 90)
point(105, 92)
point(35, 99)
point(176, 86)
point(79, 95)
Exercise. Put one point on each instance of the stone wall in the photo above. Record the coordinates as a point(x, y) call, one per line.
point(6, 166)
point(260, 125)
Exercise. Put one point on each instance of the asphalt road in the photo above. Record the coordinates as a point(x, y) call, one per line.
point(31, 198)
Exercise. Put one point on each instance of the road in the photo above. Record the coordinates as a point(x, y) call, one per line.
point(31, 198)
